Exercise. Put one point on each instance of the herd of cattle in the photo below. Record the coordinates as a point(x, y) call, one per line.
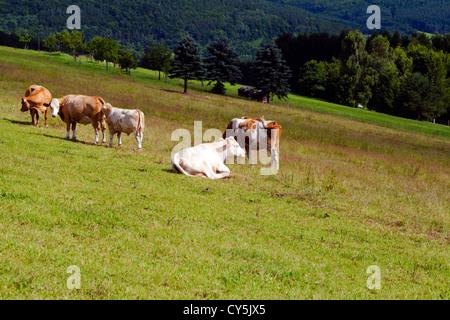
point(203, 160)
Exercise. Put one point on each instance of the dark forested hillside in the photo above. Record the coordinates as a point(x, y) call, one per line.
point(247, 23)
point(431, 16)
point(138, 23)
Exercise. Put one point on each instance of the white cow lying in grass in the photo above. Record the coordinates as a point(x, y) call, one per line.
point(124, 120)
point(207, 159)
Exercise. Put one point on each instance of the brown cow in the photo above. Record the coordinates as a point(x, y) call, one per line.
point(77, 108)
point(37, 100)
point(254, 135)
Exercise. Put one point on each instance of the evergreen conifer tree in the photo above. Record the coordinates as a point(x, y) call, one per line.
point(221, 64)
point(272, 75)
point(187, 63)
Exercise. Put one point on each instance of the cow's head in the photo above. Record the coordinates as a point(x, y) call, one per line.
point(233, 148)
point(25, 105)
point(54, 105)
point(106, 109)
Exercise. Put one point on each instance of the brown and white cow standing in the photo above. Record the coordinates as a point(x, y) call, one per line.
point(77, 108)
point(256, 135)
point(37, 100)
point(124, 120)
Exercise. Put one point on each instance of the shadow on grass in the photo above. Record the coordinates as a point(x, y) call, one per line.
point(18, 122)
point(178, 173)
point(186, 94)
point(74, 141)
point(174, 91)
point(170, 171)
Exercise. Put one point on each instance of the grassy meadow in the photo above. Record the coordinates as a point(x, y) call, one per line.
point(355, 189)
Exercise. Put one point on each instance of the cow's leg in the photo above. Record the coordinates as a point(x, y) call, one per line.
point(222, 175)
point(212, 175)
point(223, 171)
point(32, 116)
point(103, 126)
point(275, 159)
point(138, 136)
point(211, 172)
point(46, 116)
point(111, 137)
point(96, 135)
point(252, 156)
point(68, 130)
point(74, 126)
point(96, 125)
point(119, 137)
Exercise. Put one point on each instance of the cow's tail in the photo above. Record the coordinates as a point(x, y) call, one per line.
point(102, 117)
point(176, 165)
point(141, 121)
point(100, 99)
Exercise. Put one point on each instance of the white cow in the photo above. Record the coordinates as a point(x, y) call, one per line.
point(124, 120)
point(207, 159)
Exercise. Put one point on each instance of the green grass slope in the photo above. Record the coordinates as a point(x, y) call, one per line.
point(349, 194)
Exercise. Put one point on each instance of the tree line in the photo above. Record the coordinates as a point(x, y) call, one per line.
point(99, 48)
point(217, 64)
point(220, 64)
point(388, 73)
point(406, 76)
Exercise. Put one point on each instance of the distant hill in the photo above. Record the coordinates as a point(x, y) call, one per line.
point(137, 23)
point(406, 16)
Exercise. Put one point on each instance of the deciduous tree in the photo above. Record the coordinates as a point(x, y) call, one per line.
point(126, 60)
point(157, 57)
point(71, 42)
